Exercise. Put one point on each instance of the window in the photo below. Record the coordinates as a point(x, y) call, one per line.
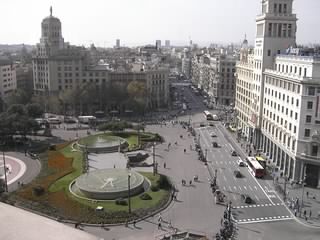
point(269, 51)
point(297, 102)
point(310, 105)
point(296, 116)
point(314, 151)
point(284, 8)
point(294, 129)
point(308, 119)
point(311, 91)
point(307, 132)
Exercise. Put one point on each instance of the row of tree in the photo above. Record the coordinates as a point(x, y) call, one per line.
point(89, 98)
point(19, 119)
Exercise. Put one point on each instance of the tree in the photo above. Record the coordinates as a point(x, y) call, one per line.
point(34, 110)
point(18, 97)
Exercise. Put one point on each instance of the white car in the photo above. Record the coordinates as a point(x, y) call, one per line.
point(241, 163)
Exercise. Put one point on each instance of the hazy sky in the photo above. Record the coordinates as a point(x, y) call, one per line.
point(143, 21)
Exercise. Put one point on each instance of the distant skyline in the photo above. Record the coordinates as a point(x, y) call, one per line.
point(137, 22)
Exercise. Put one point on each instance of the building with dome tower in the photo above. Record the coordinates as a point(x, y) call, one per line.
point(278, 95)
point(59, 66)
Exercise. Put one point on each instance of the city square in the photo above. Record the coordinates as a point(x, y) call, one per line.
point(199, 140)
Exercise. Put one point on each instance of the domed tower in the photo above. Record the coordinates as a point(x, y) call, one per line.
point(244, 50)
point(51, 35)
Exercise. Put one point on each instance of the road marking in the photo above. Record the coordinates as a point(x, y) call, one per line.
point(231, 147)
point(240, 188)
point(261, 187)
point(248, 221)
point(257, 198)
point(230, 188)
point(249, 171)
point(245, 187)
point(224, 177)
point(255, 187)
point(235, 188)
point(234, 197)
point(250, 188)
point(224, 188)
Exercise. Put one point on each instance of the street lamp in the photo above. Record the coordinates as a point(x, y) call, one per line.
point(154, 158)
point(303, 182)
point(129, 197)
point(5, 172)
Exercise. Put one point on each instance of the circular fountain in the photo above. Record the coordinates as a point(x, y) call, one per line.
point(102, 143)
point(108, 184)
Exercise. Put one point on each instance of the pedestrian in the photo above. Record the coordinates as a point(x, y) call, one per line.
point(310, 214)
point(134, 223)
point(164, 165)
point(305, 213)
point(307, 194)
point(159, 225)
point(190, 182)
point(160, 218)
point(295, 212)
point(184, 150)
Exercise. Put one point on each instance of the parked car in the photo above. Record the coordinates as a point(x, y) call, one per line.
point(215, 144)
point(211, 124)
point(237, 174)
point(234, 153)
point(202, 125)
point(246, 199)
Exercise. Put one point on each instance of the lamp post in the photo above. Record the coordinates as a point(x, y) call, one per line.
point(154, 158)
point(5, 171)
point(303, 182)
point(285, 189)
point(206, 154)
point(129, 197)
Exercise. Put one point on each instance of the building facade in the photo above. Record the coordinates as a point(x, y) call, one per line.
point(277, 95)
point(58, 66)
point(215, 75)
point(8, 80)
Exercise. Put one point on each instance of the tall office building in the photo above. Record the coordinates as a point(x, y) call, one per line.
point(167, 43)
point(118, 43)
point(158, 44)
point(278, 94)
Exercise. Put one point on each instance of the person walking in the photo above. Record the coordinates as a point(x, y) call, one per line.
point(159, 225)
point(307, 194)
point(310, 214)
point(164, 165)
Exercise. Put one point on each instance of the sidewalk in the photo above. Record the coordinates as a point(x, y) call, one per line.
point(310, 196)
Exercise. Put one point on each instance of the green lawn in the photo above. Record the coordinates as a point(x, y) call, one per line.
point(136, 202)
point(64, 182)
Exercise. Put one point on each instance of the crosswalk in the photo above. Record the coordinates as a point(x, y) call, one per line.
point(263, 219)
point(259, 205)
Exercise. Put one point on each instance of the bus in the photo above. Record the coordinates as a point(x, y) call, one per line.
point(86, 119)
point(262, 161)
point(255, 167)
point(208, 115)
